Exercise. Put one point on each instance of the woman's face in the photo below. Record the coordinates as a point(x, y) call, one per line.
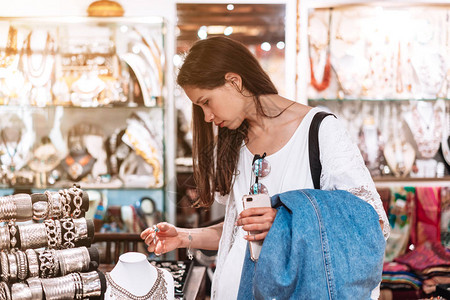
point(224, 105)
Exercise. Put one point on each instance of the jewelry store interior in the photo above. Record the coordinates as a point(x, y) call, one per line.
point(96, 136)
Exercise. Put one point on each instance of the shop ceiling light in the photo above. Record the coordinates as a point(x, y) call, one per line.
point(202, 33)
point(266, 46)
point(228, 30)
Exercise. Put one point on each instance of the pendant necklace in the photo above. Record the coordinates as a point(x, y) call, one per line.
point(12, 166)
point(427, 137)
point(327, 70)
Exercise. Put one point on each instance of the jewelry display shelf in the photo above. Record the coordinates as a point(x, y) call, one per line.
point(103, 72)
point(380, 67)
point(322, 100)
point(389, 181)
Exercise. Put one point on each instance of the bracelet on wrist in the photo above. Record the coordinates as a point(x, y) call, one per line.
point(189, 250)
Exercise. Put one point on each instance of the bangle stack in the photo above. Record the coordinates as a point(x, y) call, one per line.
point(56, 271)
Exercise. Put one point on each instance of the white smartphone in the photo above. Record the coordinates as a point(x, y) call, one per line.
point(249, 201)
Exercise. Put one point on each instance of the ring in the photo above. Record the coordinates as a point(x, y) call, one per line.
point(254, 237)
point(155, 228)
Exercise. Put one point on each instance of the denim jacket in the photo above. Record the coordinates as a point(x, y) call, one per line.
point(322, 245)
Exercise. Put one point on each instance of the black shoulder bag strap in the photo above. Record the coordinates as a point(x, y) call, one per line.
point(314, 152)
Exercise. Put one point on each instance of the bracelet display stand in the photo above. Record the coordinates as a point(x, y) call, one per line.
point(48, 258)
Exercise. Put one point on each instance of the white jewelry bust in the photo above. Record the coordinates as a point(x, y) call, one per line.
point(134, 274)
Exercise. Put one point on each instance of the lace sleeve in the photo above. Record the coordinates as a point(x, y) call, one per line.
point(343, 167)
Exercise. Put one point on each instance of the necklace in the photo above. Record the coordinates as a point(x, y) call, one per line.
point(12, 166)
point(76, 167)
point(427, 137)
point(157, 292)
point(38, 74)
point(327, 71)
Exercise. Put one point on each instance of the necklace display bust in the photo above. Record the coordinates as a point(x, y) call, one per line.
point(134, 277)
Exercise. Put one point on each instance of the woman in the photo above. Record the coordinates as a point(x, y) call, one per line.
point(228, 87)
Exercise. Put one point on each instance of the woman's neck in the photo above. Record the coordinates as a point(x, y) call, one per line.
point(273, 108)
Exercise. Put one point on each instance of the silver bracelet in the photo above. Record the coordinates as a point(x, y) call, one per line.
point(65, 199)
point(5, 266)
point(12, 267)
point(2, 293)
point(81, 228)
point(23, 207)
point(77, 201)
point(35, 286)
point(21, 291)
point(12, 230)
point(52, 235)
point(5, 287)
point(5, 242)
point(48, 263)
point(92, 286)
point(8, 208)
point(73, 260)
point(69, 235)
point(78, 283)
point(54, 204)
point(58, 288)
point(58, 233)
point(33, 263)
point(33, 236)
point(40, 210)
point(189, 250)
point(22, 265)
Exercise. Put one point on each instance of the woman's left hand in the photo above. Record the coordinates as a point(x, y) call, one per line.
point(257, 219)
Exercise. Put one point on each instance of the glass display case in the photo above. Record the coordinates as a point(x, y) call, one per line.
point(85, 99)
point(383, 69)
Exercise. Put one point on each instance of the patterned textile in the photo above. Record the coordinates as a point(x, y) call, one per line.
point(445, 216)
point(426, 225)
point(401, 212)
point(429, 254)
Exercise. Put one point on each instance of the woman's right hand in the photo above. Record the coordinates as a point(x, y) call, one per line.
point(161, 238)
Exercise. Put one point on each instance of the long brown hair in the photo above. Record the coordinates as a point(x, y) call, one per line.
point(205, 67)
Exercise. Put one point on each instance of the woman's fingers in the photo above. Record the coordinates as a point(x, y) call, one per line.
point(256, 237)
point(257, 227)
point(267, 218)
